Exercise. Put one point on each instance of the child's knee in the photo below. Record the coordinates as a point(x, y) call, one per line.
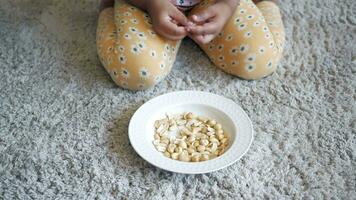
point(137, 85)
point(254, 76)
point(251, 67)
point(138, 75)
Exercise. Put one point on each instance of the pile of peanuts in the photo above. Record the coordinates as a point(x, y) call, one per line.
point(199, 138)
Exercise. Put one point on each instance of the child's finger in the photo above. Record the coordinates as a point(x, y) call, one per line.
point(199, 39)
point(175, 30)
point(203, 15)
point(207, 28)
point(179, 17)
point(172, 31)
point(202, 39)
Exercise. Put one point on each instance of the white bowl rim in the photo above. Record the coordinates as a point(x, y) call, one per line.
point(238, 148)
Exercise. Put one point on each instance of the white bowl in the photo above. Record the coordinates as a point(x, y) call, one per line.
point(232, 117)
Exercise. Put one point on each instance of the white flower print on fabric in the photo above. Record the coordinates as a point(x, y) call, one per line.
point(241, 26)
point(222, 65)
point(262, 49)
point(162, 65)
point(244, 48)
point(134, 21)
point(141, 45)
point(250, 67)
point(271, 44)
point(135, 49)
point(211, 47)
point(114, 72)
point(250, 17)
point(122, 21)
point(165, 55)
point(133, 29)
point(265, 29)
point(234, 63)
point(256, 24)
point(132, 8)
point(122, 58)
point(238, 20)
point(141, 35)
point(109, 49)
point(144, 73)
point(234, 50)
point(127, 14)
point(269, 64)
point(267, 36)
point(248, 34)
point(250, 58)
point(121, 48)
point(125, 73)
point(229, 37)
point(153, 53)
point(127, 36)
point(221, 58)
point(167, 49)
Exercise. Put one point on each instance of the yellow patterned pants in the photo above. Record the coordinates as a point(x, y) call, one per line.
point(250, 45)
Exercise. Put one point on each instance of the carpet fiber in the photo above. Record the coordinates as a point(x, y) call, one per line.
point(63, 122)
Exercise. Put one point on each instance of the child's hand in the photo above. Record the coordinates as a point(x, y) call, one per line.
point(210, 21)
point(167, 20)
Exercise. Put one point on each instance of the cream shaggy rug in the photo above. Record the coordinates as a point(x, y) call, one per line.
point(63, 122)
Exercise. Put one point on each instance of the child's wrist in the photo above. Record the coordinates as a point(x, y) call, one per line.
point(227, 7)
point(232, 4)
point(150, 5)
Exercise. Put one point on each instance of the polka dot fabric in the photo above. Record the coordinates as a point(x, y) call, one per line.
point(250, 45)
point(133, 54)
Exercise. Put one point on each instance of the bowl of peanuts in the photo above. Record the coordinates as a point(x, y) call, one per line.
point(190, 132)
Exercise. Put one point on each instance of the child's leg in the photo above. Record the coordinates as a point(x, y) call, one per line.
point(247, 45)
point(271, 13)
point(135, 57)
